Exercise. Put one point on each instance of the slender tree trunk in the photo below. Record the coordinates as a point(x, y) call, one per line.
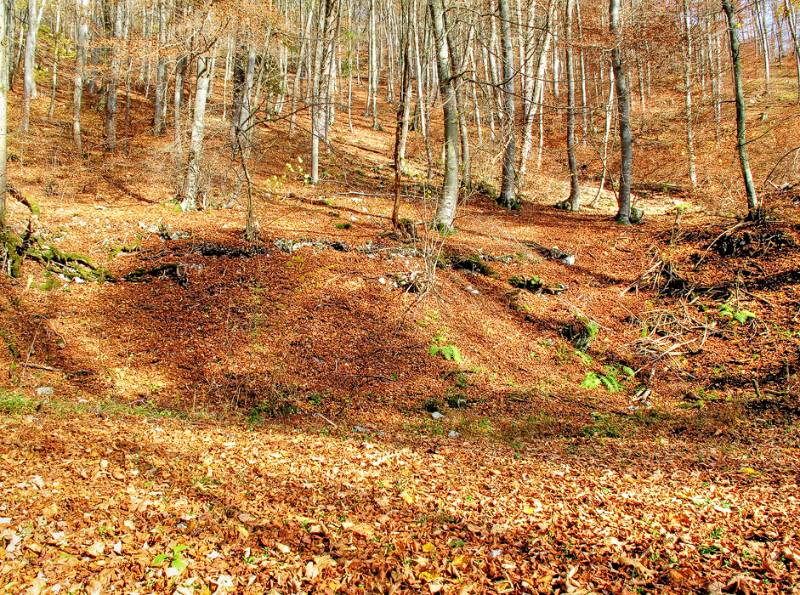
point(446, 209)
point(177, 101)
point(791, 17)
point(624, 107)
point(753, 206)
point(402, 113)
point(319, 111)
point(80, 68)
point(304, 45)
point(373, 68)
point(508, 196)
point(606, 134)
point(29, 75)
point(113, 81)
point(764, 42)
point(54, 77)
point(687, 83)
point(4, 53)
point(421, 96)
point(161, 71)
point(574, 201)
point(537, 90)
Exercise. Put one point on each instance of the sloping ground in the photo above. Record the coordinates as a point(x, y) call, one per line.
point(237, 417)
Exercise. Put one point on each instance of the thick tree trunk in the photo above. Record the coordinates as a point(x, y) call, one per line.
point(624, 107)
point(191, 187)
point(753, 206)
point(446, 209)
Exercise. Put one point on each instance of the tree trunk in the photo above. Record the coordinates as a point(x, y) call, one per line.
point(537, 90)
point(446, 209)
point(4, 52)
point(161, 71)
point(54, 78)
point(80, 68)
point(29, 74)
point(574, 201)
point(753, 206)
point(791, 17)
point(319, 111)
point(687, 83)
point(191, 187)
point(624, 107)
point(177, 109)
point(508, 197)
point(111, 91)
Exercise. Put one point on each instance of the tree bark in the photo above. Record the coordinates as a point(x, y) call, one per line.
point(4, 53)
point(574, 200)
point(80, 68)
point(54, 78)
point(753, 206)
point(446, 209)
point(191, 187)
point(508, 197)
point(29, 74)
point(111, 91)
point(687, 82)
point(624, 107)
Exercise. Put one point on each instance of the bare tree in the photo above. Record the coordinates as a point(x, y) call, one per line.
point(82, 16)
point(192, 184)
point(446, 209)
point(624, 107)
point(573, 203)
point(753, 205)
point(113, 80)
point(29, 88)
point(4, 53)
point(508, 197)
point(687, 93)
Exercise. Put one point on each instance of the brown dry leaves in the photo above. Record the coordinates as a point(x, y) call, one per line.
point(173, 506)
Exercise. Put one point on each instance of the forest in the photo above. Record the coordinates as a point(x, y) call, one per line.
point(399, 296)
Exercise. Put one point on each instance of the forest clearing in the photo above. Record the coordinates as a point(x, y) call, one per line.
point(356, 296)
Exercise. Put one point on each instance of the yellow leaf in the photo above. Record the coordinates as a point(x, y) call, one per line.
point(458, 561)
point(243, 533)
point(528, 510)
point(427, 576)
point(428, 548)
point(405, 495)
point(748, 471)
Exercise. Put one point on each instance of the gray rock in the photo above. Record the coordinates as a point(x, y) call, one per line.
point(453, 434)
point(437, 415)
point(45, 391)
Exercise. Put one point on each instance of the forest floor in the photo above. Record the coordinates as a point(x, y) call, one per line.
point(223, 417)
